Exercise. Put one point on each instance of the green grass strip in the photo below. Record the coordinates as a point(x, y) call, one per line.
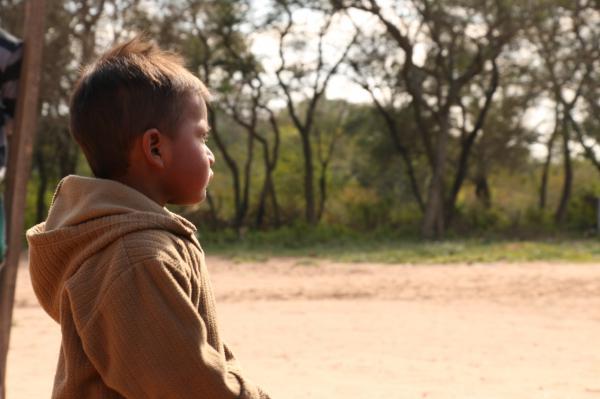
point(394, 250)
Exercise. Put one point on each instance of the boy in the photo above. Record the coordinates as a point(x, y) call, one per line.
point(123, 276)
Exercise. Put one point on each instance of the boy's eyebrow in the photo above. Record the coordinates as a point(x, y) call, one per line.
point(205, 128)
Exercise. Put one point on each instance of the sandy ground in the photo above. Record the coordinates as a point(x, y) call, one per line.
point(315, 329)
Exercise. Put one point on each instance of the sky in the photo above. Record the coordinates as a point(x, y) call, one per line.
point(307, 24)
point(265, 44)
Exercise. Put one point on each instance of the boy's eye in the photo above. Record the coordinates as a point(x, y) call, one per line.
point(203, 138)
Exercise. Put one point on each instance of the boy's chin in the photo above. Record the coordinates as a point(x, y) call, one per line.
point(190, 201)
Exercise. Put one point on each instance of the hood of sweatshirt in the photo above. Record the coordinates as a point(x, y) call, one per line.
point(86, 215)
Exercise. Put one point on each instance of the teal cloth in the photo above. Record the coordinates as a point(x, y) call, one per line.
point(2, 230)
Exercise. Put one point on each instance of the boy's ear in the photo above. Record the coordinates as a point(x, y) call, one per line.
point(153, 147)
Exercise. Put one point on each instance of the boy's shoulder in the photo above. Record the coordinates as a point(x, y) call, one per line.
point(133, 253)
point(160, 245)
point(132, 265)
point(137, 250)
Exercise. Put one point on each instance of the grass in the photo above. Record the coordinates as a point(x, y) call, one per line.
point(345, 246)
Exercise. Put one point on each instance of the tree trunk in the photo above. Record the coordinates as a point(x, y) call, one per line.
point(231, 164)
point(433, 221)
point(589, 151)
point(322, 191)
point(275, 204)
point(262, 200)
point(40, 165)
point(393, 130)
point(434, 218)
point(309, 191)
point(244, 203)
point(68, 157)
point(545, 172)
point(262, 205)
point(467, 145)
point(404, 153)
point(482, 190)
point(561, 211)
point(267, 192)
point(212, 209)
point(547, 163)
point(268, 188)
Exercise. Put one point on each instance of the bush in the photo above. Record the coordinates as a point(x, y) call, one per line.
point(583, 210)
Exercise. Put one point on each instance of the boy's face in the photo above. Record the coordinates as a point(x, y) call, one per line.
point(189, 171)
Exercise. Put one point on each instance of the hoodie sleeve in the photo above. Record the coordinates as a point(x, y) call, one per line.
point(234, 367)
point(147, 341)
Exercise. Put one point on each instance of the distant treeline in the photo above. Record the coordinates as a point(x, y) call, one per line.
point(482, 114)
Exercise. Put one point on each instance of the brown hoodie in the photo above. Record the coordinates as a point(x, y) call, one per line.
point(127, 281)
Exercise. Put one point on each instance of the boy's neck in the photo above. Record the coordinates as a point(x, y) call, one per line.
point(144, 187)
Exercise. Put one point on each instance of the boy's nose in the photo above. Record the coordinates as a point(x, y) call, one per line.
point(211, 156)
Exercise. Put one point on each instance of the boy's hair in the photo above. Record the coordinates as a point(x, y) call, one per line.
point(133, 87)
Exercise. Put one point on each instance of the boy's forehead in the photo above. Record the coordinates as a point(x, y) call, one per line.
point(197, 105)
point(203, 107)
point(198, 102)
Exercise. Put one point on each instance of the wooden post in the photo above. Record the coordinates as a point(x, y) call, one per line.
point(18, 168)
point(598, 215)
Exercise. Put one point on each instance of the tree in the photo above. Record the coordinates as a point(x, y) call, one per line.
point(461, 42)
point(245, 106)
point(330, 119)
point(304, 82)
point(375, 70)
point(504, 142)
point(567, 43)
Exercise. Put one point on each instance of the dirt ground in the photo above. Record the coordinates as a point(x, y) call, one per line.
point(316, 329)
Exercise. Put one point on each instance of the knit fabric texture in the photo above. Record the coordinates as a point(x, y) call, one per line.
point(126, 280)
